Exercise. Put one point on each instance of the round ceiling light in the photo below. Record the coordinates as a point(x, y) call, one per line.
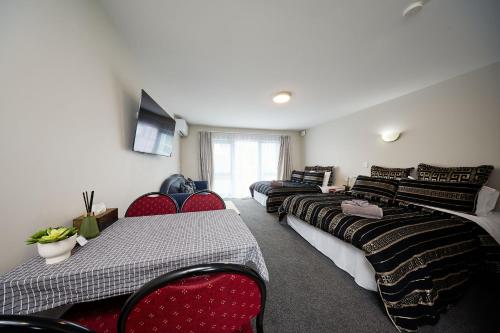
point(390, 136)
point(282, 97)
point(413, 9)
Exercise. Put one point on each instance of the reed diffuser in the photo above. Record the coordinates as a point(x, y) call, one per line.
point(89, 228)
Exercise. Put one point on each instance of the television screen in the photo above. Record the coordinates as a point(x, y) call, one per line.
point(155, 129)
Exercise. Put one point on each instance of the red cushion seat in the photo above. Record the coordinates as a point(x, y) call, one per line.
point(153, 203)
point(218, 298)
point(211, 303)
point(99, 316)
point(203, 201)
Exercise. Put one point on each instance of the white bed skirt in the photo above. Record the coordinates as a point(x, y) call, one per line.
point(260, 198)
point(344, 255)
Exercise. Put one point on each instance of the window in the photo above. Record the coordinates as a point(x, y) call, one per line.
point(240, 160)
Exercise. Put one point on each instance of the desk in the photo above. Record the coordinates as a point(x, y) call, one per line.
point(129, 253)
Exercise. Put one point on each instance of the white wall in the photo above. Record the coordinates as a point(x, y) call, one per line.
point(456, 122)
point(69, 91)
point(190, 147)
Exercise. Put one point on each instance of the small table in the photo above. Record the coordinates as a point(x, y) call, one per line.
point(332, 189)
point(129, 253)
point(104, 219)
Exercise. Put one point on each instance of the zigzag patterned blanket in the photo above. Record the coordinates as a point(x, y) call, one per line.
point(422, 258)
point(278, 191)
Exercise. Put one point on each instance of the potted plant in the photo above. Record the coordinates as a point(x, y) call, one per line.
point(54, 244)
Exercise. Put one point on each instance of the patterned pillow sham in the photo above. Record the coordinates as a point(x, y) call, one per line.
point(318, 168)
point(297, 176)
point(476, 175)
point(313, 177)
point(461, 197)
point(390, 173)
point(375, 187)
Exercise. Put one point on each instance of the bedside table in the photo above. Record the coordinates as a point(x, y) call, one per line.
point(104, 220)
point(332, 189)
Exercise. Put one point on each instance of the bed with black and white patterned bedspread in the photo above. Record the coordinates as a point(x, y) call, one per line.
point(277, 191)
point(422, 258)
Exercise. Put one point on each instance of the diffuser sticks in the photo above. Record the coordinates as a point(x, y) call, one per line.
point(88, 204)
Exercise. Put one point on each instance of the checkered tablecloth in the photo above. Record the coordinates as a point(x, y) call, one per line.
point(128, 254)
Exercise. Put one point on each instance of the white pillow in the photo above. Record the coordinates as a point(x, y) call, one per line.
point(486, 200)
point(326, 178)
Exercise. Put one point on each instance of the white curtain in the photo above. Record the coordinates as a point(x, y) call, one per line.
point(242, 159)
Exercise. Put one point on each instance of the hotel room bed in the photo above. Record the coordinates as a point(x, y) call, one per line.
point(418, 259)
point(272, 193)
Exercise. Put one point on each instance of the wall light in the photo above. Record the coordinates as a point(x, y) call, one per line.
point(282, 97)
point(390, 136)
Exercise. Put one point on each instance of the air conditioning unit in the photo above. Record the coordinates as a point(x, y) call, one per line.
point(181, 127)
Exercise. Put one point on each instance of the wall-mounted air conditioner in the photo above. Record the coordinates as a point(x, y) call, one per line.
point(181, 127)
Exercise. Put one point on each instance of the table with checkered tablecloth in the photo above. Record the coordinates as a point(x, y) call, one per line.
point(128, 254)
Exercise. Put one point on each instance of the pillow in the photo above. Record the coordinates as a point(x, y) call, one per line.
point(390, 173)
point(486, 200)
point(461, 197)
point(313, 178)
point(375, 187)
point(297, 176)
point(476, 175)
point(326, 178)
point(318, 168)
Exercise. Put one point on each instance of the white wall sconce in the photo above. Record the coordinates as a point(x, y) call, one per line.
point(390, 136)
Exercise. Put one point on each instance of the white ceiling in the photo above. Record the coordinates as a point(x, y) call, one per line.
point(219, 62)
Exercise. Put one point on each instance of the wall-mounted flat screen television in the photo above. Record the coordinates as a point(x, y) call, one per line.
point(154, 133)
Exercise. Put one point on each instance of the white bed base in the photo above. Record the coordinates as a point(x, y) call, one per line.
point(260, 198)
point(344, 255)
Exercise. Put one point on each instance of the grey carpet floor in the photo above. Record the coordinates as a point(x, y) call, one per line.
point(308, 293)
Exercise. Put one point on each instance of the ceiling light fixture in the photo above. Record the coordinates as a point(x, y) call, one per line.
point(413, 9)
point(282, 97)
point(390, 136)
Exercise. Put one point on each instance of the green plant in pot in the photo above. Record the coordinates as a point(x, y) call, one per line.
point(54, 244)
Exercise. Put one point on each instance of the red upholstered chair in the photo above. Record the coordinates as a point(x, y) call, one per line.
point(216, 298)
point(153, 203)
point(99, 316)
point(203, 201)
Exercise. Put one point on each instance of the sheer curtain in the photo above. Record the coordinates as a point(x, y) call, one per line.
point(241, 159)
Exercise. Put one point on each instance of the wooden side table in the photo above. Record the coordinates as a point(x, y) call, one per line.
point(332, 189)
point(335, 190)
point(104, 219)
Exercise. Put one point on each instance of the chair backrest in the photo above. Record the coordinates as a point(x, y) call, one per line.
point(33, 324)
point(202, 298)
point(203, 201)
point(153, 203)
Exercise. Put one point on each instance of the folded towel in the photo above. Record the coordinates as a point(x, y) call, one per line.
point(361, 208)
point(276, 184)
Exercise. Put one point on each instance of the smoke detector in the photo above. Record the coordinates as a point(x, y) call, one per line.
point(413, 9)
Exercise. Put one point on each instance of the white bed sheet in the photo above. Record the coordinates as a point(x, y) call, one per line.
point(344, 255)
point(260, 198)
point(490, 222)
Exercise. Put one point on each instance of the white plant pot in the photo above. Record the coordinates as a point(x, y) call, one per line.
point(58, 251)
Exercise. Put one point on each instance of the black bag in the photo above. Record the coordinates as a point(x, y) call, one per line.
point(177, 183)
